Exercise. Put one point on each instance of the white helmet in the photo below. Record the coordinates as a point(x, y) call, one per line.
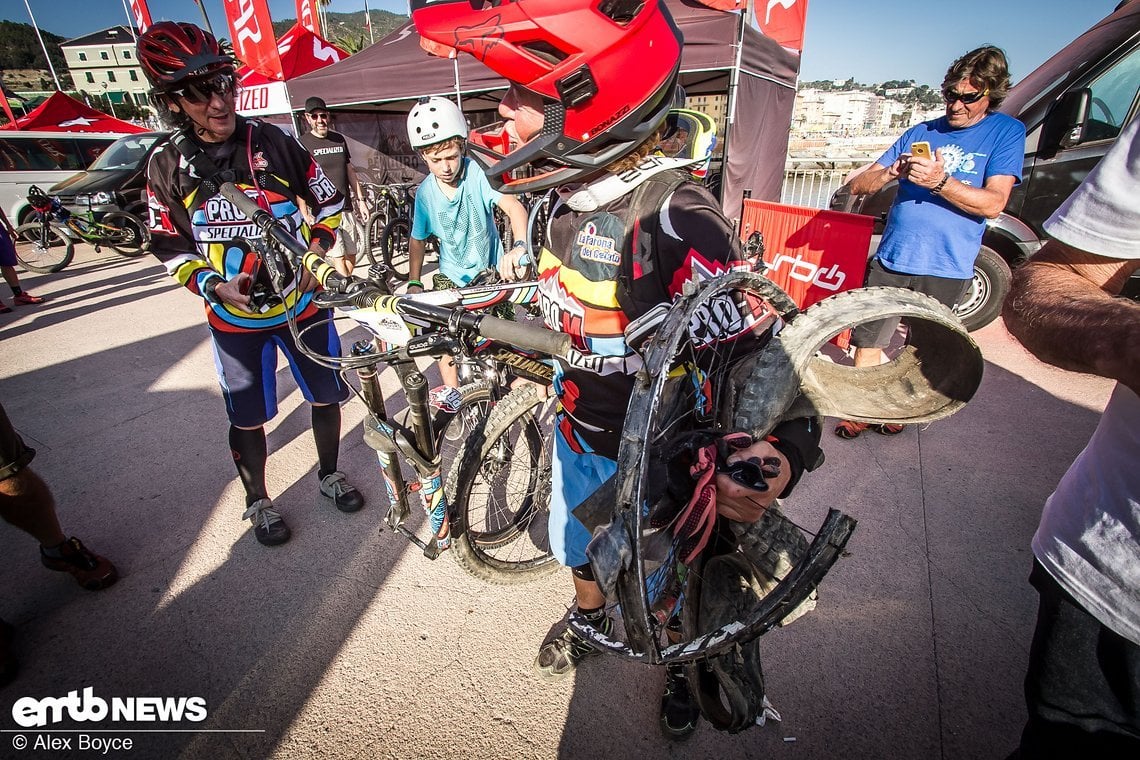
point(433, 120)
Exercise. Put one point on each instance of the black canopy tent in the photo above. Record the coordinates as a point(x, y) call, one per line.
point(758, 76)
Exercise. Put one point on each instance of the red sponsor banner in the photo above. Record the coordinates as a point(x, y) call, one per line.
point(783, 21)
point(251, 30)
point(7, 108)
point(810, 253)
point(141, 13)
point(307, 15)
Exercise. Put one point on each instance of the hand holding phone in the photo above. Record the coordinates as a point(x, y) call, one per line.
point(921, 150)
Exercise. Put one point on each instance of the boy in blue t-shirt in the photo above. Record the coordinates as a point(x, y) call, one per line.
point(456, 204)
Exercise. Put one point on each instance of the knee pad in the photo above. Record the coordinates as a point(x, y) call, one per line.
point(584, 572)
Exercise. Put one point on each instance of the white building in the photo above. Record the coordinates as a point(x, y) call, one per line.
point(104, 63)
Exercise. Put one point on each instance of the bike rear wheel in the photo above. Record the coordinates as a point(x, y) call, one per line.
point(394, 244)
point(500, 492)
point(42, 249)
point(126, 233)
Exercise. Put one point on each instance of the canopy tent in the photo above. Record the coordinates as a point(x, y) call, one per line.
point(63, 113)
point(301, 51)
point(759, 78)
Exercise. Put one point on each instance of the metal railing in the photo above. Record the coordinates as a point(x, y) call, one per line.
point(811, 182)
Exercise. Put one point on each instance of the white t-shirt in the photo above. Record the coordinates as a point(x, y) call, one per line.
point(1089, 536)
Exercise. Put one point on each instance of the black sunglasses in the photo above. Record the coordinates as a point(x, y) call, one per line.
point(753, 473)
point(202, 90)
point(967, 98)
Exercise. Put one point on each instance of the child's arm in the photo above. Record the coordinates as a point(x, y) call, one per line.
point(517, 214)
point(416, 250)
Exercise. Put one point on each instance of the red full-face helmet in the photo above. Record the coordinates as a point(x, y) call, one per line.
point(606, 70)
point(171, 53)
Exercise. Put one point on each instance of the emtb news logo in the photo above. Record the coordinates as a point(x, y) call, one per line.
point(30, 712)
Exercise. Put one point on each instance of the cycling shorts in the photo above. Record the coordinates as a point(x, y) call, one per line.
point(574, 476)
point(14, 453)
point(878, 334)
point(7, 249)
point(246, 363)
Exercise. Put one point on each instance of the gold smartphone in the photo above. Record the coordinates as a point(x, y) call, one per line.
point(920, 149)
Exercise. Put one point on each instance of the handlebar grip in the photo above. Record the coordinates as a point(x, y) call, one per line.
point(524, 336)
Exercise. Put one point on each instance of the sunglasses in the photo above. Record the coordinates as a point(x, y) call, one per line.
point(319, 115)
point(967, 98)
point(201, 91)
point(753, 473)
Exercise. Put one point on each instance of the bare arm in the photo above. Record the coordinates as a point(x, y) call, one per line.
point(416, 250)
point(357, 193)
point(1062, 307)
point(986, 201)
point(873, 179)
point(517, 214)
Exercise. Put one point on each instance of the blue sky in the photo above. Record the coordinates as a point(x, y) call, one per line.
point(870, 40)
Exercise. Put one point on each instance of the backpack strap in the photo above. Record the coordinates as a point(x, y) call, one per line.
point(641, 284)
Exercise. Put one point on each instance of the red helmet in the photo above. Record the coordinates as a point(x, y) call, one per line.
point(171, 52)
point(606, 70)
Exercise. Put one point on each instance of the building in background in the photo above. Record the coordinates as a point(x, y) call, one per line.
point(105, 63)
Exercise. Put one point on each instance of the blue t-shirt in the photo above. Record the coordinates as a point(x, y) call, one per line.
point(926, 234)
point(465, 225)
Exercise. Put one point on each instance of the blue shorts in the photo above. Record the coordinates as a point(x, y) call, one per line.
point(574, 476)
point(247, 369)
point(7, 249)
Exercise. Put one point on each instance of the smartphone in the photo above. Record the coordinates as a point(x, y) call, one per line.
point(921, 150)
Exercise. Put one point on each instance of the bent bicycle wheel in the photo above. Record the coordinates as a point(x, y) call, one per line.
point(499, 492)
point(126, 233)
point(42, 249)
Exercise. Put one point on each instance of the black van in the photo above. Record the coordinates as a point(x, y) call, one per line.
point(115, 181)
point(1073, 106)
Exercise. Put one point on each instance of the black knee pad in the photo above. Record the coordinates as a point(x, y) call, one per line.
point(584, 572)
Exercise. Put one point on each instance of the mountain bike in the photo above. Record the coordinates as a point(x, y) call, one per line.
point(390, 228)
point(47, 244)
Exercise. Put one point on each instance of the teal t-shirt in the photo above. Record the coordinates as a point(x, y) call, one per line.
point(465, 224)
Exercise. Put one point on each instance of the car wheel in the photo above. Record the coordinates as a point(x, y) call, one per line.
point(982, 302)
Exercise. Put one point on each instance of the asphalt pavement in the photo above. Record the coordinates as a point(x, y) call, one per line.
point(347, 643)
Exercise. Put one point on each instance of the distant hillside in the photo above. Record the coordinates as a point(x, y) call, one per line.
point(19, 49)
point(349, 31)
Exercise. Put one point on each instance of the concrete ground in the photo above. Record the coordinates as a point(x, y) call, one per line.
point(346, 642)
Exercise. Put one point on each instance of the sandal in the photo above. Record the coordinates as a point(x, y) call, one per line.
point(887, 428)
point(849, 429)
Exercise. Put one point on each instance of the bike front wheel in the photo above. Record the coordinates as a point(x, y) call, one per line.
point(126, 233)
point(394, 244)
point(42, 249)
point(500, 491)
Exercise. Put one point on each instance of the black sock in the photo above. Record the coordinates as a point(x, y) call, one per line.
point(249, 452)
point(16, 290)
point(594, 615)
point(326, 434)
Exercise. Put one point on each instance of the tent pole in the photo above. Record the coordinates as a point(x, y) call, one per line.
point(458, 96)
point(42, 45)
point(734, 82)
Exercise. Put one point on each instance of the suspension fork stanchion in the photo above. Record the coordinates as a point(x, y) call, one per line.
point(431, 482)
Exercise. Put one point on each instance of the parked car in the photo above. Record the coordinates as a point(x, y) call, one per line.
point(1073, 106)
point(115, 181)
point(42, 158)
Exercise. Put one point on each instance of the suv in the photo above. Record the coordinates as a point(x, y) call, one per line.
point(115, 181)
point(1073, 106)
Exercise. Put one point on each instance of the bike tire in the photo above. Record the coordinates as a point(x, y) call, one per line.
point(373, 247)
point(126, 234)
point(500, 491)
point(37, 254)
point(394, 245)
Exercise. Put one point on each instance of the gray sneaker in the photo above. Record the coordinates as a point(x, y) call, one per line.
point(558, 658)
point(336, 489)
point(268, 526)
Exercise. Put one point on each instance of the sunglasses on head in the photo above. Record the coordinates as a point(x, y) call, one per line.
point(967, 98)
point(202, 90)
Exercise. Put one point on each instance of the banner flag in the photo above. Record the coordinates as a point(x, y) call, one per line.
point(783, 21)
point(251, 31)
point(307, 16)
point(7, 108)
point(141, 13)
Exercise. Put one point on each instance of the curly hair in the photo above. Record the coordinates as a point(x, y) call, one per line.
point(986, 68)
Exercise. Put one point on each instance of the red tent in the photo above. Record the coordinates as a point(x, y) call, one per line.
point(301, 52)
point(63, 113)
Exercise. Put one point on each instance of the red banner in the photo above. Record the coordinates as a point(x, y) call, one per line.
point(251, 31)
point(307, 15)
point(7, 108)
point(783, 21)
point(141, 13)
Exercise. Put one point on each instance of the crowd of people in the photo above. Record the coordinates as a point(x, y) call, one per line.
point(954, 172)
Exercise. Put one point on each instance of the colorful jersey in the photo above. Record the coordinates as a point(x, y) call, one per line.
point(465, 224)
point(198, 238)
point(331, 152)
point(927, 234)
point(578, 291)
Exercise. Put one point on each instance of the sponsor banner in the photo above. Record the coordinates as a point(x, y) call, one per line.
point(262, 99)
point(141, 13)
point(811, 253)
point(307, 15)
point(782, 20)
point(251, 31)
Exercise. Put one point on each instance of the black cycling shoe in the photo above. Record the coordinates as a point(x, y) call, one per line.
point(268, 527)
point(679, 713)
point(558, 658)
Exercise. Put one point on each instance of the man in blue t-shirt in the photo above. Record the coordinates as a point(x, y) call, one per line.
point(954, 173)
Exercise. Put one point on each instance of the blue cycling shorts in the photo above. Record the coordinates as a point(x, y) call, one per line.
point(247, 369)
point(574, 476)
point(7, 249)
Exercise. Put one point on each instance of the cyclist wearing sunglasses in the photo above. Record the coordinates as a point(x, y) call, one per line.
point(934, 228)
point(204, 242)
